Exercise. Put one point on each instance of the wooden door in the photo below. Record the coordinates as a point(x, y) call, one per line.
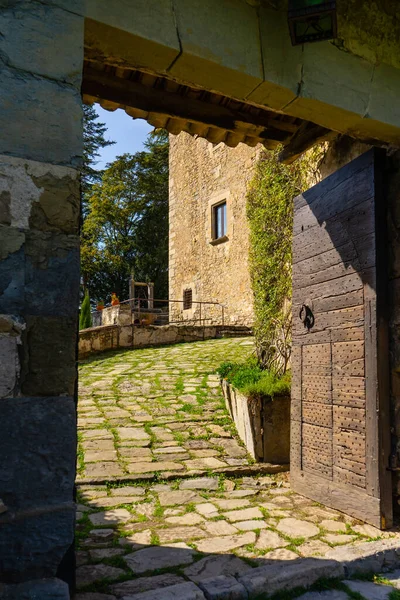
point(340, 431)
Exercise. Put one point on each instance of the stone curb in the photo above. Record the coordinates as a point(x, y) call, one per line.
point(263, 582)
point(239, 471)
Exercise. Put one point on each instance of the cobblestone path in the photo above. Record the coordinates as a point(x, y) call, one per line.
point(158, 516)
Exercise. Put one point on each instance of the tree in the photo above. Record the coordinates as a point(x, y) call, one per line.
point(85, 317)
point(93, 140)
point(126, 226)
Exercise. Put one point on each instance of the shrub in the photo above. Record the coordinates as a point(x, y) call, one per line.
point(270, 218)
point(254, 382)
point(85, 317)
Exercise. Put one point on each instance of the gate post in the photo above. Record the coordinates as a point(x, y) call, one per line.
point(40, 156)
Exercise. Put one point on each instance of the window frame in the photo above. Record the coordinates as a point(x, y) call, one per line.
point(215, 238)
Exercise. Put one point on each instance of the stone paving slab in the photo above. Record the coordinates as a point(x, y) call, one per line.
point(236, 529)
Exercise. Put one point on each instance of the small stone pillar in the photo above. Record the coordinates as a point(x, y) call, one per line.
point(40, 154)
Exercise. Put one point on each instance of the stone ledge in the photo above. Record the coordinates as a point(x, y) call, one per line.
point(116, 336)
point(43, 589)
point(236, 471)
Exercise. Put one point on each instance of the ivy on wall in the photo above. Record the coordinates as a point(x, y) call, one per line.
point(270, 216)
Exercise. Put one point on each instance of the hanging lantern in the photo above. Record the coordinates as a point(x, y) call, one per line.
point(312, 20)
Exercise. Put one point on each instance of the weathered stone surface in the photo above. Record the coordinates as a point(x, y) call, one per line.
point(103, 470)
point(367, 557)
point(207, 509)
point(232, 504)
point(100, 553)
point(288, 575)
point(225, 543)
point(204, 483)
point(114, 501)
point(313, 548)
point(43, 589)
point(111, 517)
point(151, 467)
point(188, 519)
point(88, 574)
point(332, 538)
point(394, 578)
point(180, 591)
point(170, 450)
point(98, 456)
point(244, 514)
point(9, 365)
point(326, 595)
point(270, 539)
point(133, 433)
point(369, 590)
point(212, 566)
point(12, 270)
point(178, 497)
point(41, 118)
point(295, 528)
point(94, 596)
point(223, 587)
point(139, 454)
point(180, 533)
point(39, 553)
point(279, 554)
point(333, 526)
point(143, 584)
point(102, 534)
point(204, 463)
point(367, 530)
point(137, 540)
point(158, 558)
point(218, 528)
point(46, 461)
point(54, 373)
point(127, 490)
point(250, 525)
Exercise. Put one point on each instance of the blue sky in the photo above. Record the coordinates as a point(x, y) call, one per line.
point(129, 134)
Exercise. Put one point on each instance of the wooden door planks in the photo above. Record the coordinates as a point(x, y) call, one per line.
point(335, 400)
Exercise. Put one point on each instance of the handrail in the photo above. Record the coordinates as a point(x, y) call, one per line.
point(143, 309)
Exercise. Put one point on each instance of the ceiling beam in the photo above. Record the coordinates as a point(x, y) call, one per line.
point(134, 94)
point(307, 135)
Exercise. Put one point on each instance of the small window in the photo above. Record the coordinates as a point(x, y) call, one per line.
point(187, 299)
point(219, 221)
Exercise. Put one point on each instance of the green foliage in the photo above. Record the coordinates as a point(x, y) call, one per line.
point(270, 217)
point(93, 140)
point(126, 227)
point(85, 317)
point(250, 379)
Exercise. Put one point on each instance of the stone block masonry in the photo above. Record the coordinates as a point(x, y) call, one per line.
point(202, 175)
point(112, 337)
point(40, 153)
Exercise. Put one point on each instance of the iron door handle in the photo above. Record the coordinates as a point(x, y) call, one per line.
point(306, 316)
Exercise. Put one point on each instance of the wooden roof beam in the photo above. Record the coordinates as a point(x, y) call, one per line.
point(128, 93)
point(307, 135)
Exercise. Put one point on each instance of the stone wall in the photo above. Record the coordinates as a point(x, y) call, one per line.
point(201, 175)
point(263, 424)
point(112, 337)
point(40, 154)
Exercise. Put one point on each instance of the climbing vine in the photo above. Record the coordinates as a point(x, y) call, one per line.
point(270, 216)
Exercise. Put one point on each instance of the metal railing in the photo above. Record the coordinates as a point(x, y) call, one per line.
point(141, 307)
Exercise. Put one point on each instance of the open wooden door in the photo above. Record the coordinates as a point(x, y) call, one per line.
point(340, 431)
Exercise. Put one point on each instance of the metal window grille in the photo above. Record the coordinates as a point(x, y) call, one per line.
point(187, 299)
